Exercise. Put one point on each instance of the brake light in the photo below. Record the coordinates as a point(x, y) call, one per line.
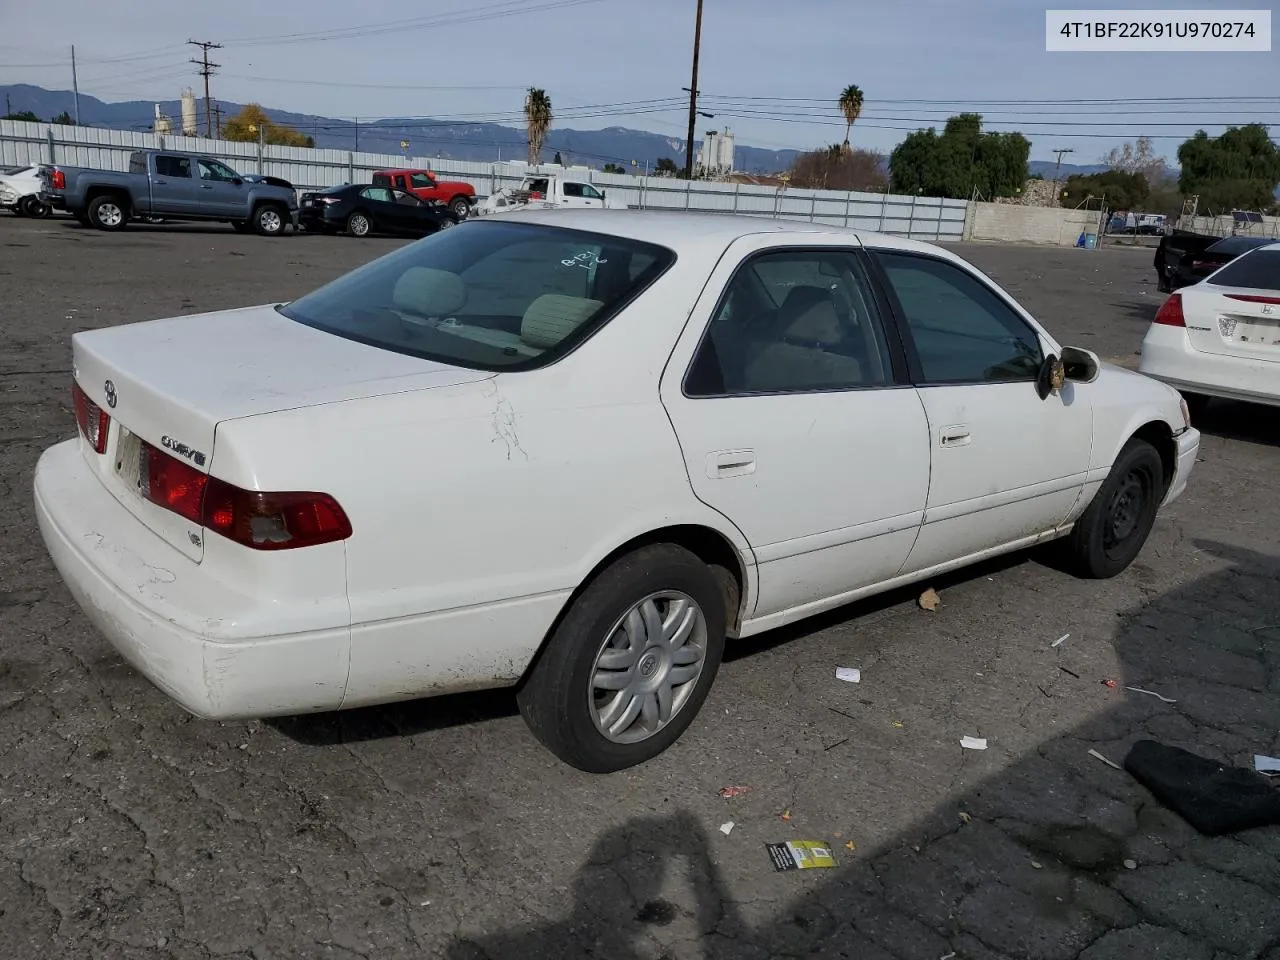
point(1170, 312)
point(1251, 298)
point(252, 518)
point(59, 180)
point(92, 419)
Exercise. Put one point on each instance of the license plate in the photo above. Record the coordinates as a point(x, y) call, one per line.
point(1252, 330)
point(129, 460)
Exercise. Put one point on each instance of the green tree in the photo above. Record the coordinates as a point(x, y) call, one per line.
point(1123, 191)
point(26, 115)
point(537, 119)
point(557, 161)
point(65, 119)
point(614, 168)
point(666, 167)
point(246, 124)
point(1237, 170)
point(959, 160)
point(850, 104)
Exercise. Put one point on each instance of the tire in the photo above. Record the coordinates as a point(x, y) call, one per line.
point(108, 213)
point(1197, 403)
point(460, 207)
point(1128, 499)
point(359, 224)
point(33, 208)
point(270, 219)
point(559, 700)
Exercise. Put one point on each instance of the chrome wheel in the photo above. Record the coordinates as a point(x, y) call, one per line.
point(110, 215)
point(648, 667)
point(269, 221)
point(358, 225)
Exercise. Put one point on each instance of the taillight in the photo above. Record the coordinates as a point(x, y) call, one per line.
point(1170, 312)
point(92, 419)
point(252, 518)
point(1251, 298)
point(59, 180)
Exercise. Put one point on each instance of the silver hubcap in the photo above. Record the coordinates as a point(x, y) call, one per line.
point(359, 226)
point(110, 214)
point(270, 220)
point(446, 224)
point(648, 667)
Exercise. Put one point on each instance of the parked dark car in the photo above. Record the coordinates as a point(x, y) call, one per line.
point(361, 209)
point(1185, 258)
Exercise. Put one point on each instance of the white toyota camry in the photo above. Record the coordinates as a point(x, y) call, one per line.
point(571, 453)
point(1221, 337)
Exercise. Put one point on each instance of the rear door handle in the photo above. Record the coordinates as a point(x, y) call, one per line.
point(957, 436)
point(730, 463)
point(206, 186)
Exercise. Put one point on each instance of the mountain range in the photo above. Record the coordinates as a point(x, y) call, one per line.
point(432, 138)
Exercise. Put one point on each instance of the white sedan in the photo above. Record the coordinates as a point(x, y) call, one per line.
point(20, 192)
point(1221, 337)
point(571, 453)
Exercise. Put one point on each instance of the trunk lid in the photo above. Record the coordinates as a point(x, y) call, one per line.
point(169, 383)
point(1233, 321)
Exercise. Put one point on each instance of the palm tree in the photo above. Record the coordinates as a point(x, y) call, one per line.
point(851, 106)
point(537, 117)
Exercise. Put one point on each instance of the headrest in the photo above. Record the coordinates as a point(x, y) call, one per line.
point(809, 313)
point(427, 292)
point(553, 317)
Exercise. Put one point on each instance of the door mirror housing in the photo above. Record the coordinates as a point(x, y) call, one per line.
point(237, 181)
point(1082, 366)
point(1052, 376)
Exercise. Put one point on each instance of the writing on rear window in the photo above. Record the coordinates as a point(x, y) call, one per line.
point(586, 260)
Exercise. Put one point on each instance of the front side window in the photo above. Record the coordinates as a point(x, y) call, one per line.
point(421, 180)
point(963, 331)
point(590, 192)
point(376, 193)
point(792, 321)
point(213, 170)
point(573, 190)
point(487, 295)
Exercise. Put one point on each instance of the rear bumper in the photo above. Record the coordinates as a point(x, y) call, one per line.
point(158, 608)
point(55, 200)
point(1167, 355)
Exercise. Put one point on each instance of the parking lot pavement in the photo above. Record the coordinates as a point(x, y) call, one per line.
point(440, 828)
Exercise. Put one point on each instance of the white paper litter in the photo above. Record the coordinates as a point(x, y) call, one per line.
point(1061, 640)
point(1266, 765)
point(973, 743)
point(849, 674)
point(1151, 693)
point(727, 828)
point(1110, 763)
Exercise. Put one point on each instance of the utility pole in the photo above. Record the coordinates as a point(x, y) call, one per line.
point(693, 94)
point(75, 84)
point(356, 128)
point(206, 71)
point(1060, 152)
point(217, 120)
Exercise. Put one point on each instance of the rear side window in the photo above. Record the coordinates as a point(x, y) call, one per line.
point(1255, 270)
point(381, 180)
point(167, 166)
point(487, 295)
point(137, 163)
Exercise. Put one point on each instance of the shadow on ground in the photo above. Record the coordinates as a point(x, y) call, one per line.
point(1058, 857)
point(1250, 422)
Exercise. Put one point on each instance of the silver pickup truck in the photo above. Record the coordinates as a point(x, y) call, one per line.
point(169, 185)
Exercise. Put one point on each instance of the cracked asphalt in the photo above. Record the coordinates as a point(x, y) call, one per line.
point(130, 831)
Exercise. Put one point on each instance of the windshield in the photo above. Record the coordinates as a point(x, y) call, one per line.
point(493, 296)
point(1256, 270)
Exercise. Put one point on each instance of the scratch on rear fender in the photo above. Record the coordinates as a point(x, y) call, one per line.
point(504, 421)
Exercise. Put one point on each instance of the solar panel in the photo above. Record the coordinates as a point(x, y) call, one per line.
point(1246, 216)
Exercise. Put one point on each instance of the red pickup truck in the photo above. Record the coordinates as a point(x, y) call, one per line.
point(456, 195)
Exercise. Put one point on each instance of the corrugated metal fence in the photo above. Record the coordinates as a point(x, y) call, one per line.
point(922, 218)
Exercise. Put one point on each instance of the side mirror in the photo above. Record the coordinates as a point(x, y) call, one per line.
point(1052, 376)
point(237, 181)
point(1081, 366)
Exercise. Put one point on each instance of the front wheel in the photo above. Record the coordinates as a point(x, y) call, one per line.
point(1114, 527)
point(460, 208)
point(629, 665)
point(269, 220)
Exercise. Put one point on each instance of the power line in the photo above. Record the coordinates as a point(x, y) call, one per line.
point(206, 71)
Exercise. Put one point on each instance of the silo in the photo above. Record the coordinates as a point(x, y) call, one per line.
point(725, 145)
point(189, 127)
point(162, 125)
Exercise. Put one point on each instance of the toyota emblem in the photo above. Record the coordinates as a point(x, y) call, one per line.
point(109, 389)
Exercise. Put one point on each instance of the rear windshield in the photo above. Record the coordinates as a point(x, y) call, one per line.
point(1234, 246)
point(1256, 270)
point(491, 295)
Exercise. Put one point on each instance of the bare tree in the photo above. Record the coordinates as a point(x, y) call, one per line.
point(1139, 157)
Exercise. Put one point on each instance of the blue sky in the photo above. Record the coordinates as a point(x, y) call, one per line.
point(770, 70)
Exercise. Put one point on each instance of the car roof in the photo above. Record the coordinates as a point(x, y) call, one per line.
point(685, 232)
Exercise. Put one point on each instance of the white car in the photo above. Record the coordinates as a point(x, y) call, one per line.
point(1221, 337)
point(572, 452)
point(20, 192)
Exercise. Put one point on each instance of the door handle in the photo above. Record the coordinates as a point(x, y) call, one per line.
point(731, 463)
point(160, 183)
point(957, 436)
point(206, 186)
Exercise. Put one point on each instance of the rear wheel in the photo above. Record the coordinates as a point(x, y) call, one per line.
point(460, 207)
point(1115, 526)
point(631, 662)
point(359, 225)
point(32, 207)
point(269, 220)
point(108, 213)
